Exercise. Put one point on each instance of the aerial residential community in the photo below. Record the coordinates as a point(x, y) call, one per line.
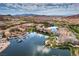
point(40, 33)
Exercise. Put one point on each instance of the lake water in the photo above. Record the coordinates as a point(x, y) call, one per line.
point(53, 28)
point(32, 45)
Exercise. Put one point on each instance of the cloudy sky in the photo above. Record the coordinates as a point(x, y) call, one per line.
point(39, 9)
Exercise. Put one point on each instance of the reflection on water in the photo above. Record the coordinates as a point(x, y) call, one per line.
point(32, 44)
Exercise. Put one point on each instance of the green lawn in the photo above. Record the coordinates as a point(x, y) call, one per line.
point(75, 30)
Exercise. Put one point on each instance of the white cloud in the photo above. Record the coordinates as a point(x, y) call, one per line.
point(40, 9)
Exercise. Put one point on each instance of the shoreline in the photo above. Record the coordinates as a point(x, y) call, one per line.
point(3, 46)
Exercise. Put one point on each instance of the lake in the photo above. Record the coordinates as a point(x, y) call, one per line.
point(32, 45)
